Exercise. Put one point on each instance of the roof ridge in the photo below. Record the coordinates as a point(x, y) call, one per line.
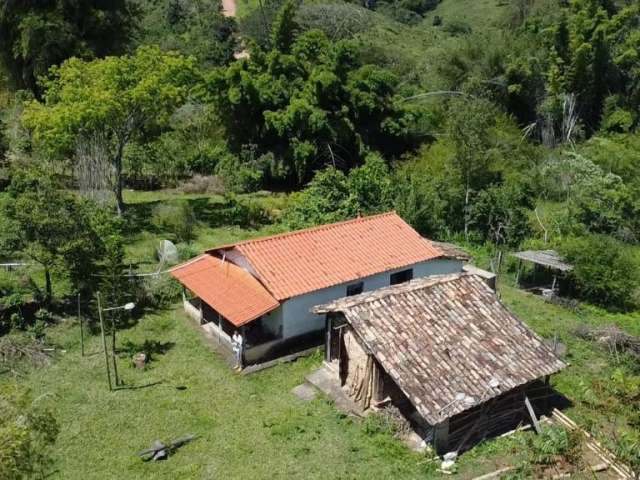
point(293, 233)
point(383, 292)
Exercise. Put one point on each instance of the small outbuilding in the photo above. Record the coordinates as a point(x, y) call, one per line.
point(446, 352)
point(549, 260)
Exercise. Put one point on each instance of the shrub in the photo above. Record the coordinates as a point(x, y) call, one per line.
point(28, 431)
point(500, 214)
point(457, 28)
point(178, 220)
point(203, 184)
point(37, 330)
point(244, 213)
point(239, 176)
point(161, 291)
point(605, 271)
point(553, 442)
point(187, 251)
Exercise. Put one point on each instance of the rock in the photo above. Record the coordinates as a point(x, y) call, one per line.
point(447, 465)
point(305, 392)
point(140, 360)
point(450, 456)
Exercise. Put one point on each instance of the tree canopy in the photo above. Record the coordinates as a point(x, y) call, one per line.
point(311, 103)
point(37, 34)
point(111, 101)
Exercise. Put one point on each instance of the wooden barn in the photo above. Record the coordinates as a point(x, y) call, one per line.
point(445, 351)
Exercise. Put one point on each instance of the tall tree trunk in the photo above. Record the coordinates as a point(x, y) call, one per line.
point(48, 289)
point(117, 164)
point(466, 212)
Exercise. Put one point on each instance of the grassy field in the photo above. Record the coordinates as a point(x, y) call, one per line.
point(252, 426)
point(248, 427)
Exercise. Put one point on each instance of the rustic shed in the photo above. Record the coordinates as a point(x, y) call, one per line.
point(445, 351)
point(547, 259)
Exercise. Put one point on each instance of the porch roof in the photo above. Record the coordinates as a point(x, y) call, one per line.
point(230, 290)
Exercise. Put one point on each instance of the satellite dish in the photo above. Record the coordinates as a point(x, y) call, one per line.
point(167, 253)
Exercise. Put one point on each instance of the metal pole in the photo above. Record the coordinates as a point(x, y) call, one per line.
point(113, 349)
point(81, 328)
point(104, 343)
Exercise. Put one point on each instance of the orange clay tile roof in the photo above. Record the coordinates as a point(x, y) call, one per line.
point(302, 261)
point(229, 289)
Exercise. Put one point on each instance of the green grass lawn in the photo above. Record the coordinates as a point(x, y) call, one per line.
point(480, 15)
point(248, 426)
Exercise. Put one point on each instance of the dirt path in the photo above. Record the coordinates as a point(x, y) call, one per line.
point(229, 8)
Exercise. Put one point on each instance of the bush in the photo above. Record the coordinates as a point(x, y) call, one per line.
point(187, 251)
point(605, 271)
point(28, 431)
point(203, 184)
point(244, 213)
point(500, 214)
point(161, 291)
point(552, 443)
point(239, 176)
point(333, 196)
point(457, 28)
point(178, 220)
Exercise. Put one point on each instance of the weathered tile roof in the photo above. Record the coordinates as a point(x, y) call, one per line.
point(447, 342)
point(450, 250)
point(302, 261)
point(230, 290)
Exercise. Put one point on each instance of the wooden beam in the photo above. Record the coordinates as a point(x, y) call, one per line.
point(532, 414)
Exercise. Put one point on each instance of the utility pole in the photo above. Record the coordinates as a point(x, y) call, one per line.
point(104, 343)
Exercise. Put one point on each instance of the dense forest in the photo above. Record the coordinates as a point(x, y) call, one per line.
point(495, 125)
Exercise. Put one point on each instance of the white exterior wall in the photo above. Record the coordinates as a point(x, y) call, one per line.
point(295, 313)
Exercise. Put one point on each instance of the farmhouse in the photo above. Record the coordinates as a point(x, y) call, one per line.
point(443, 350)
point(265, 288)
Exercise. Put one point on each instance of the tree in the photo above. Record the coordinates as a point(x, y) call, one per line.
point(36, 35)
point(469, 130)
point(53, 228)
point(26, 433)
point(333, 196)
point(115, 101)
point(191, 27)
point(285, 28)
point(314, 106)
point(500, 214)
point(605, 271)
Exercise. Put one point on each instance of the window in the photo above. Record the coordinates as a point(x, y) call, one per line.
point(401, 277)
point(355, 289)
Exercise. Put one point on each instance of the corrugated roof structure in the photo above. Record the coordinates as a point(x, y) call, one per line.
point(230, 290)
point(547, 258)
point(447, 342)
point(302, 261)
